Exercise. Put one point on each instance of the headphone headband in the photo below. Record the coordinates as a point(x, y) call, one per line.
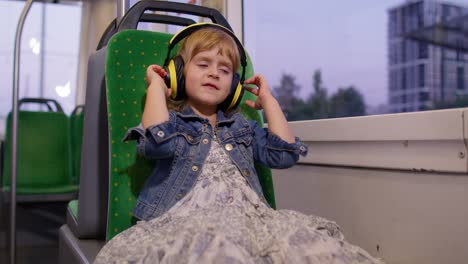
point(194, 27)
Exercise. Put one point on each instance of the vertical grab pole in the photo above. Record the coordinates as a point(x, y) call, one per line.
point(14, 131)
point(122, 7)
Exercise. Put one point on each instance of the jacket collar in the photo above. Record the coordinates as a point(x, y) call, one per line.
point(188, 113)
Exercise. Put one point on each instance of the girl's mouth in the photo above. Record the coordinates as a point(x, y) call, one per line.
point(211, 85)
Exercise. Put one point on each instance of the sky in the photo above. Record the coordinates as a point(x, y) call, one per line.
point(346, 40)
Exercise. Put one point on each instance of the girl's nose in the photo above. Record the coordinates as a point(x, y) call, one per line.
point(213, 72)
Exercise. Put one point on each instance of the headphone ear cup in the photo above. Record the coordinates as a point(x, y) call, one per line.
point(175, 78)
point(235, 94)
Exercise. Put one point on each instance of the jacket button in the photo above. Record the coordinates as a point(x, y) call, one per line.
point(205, 141)
point(190, 138)
point(195, 168)
point(302, 148)
point(160, 133)
point(228, 147)
point(178, 196)
point(246, 172)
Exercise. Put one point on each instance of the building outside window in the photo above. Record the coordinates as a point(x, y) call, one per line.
point(460, 78)
point(439, 73)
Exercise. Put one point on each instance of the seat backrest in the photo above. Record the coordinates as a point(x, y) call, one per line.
point(76, 136)
point(44, 156)
point(128, 55)
point(88, 218)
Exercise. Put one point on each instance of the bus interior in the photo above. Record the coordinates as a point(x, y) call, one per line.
point(393, 176)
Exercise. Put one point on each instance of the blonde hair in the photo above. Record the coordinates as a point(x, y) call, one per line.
point(203, 40)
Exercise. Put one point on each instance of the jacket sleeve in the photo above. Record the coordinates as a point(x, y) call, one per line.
point(156, 142)
point(272, 151)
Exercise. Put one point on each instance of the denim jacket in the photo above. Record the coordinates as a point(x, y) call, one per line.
point(181, 145)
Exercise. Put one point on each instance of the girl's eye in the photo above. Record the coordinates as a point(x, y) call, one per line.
point(226, 71)
point(203, 65)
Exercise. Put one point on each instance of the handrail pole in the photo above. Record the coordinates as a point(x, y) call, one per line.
point(14, 131)
point(122, 8)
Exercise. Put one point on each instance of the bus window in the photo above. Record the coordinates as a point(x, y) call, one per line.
point(327, 59)
point(49, 53)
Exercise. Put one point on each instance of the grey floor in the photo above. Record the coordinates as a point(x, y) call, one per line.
point(37, 232)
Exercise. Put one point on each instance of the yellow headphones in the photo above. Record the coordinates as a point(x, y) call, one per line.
point(175, 78)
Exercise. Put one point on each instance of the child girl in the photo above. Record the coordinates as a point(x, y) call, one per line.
point(203, 202)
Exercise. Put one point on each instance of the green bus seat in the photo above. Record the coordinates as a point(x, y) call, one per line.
point(84, 234)
point(87, 218)
point(44, 158)
point(128, 55)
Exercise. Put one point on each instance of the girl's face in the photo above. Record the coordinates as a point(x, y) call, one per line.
point(208, 79)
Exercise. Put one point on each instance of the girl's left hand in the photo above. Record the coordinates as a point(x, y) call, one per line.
point(262, 92)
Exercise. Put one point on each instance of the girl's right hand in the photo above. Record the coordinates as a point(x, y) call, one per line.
point(155, 75)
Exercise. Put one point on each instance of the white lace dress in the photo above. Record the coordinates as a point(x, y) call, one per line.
point(222, 220)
